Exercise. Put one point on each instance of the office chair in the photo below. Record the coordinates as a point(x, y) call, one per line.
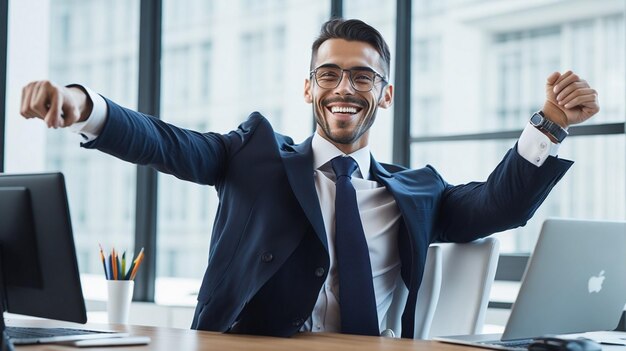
point(454, 293)
point(427, 297)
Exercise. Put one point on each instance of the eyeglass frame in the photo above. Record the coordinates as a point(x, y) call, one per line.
point(313, 72)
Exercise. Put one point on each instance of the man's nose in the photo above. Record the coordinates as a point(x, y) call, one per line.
point(345, 86)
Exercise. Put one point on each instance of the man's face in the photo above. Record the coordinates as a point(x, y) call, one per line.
point(343, 114)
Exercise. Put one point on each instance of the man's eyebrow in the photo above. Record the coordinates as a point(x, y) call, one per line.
point(333, 65)
point(363, 68)
point(329, 65)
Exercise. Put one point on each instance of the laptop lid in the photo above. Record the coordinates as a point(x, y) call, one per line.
point(575, 280)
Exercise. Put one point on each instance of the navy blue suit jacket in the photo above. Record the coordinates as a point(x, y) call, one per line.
point(269, 255)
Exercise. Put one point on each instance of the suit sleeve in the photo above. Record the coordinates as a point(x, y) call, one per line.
point(189, 155)
point(507, 199)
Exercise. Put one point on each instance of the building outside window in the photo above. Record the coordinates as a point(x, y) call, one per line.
point(100, 52)
point(493, 65)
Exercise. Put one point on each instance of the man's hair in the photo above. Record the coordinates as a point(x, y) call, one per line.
point(352, 30)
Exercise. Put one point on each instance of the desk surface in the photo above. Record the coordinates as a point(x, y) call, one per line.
point(188, 340)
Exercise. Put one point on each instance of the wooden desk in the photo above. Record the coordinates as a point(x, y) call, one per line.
point(170, 339)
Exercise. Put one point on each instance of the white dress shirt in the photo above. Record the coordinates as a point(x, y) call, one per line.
point(379, 214)
point(380, 217)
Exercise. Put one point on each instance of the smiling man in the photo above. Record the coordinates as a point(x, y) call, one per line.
point(314, 236)
point(345, 109)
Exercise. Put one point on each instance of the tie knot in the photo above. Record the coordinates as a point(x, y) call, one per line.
point(343, 166)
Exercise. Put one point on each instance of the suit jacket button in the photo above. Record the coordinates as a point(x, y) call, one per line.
point(267, 257)
point(319, 272)
point(297, 322)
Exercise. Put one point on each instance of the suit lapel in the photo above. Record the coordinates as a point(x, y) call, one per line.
point(396, 188)
point(410, 255)
point(298, 161)
point(405, 199)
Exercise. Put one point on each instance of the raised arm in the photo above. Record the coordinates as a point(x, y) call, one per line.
point(516, 188)
point(135, 137)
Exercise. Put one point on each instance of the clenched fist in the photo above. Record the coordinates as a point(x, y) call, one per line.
point(58, 106)
point(569, 99)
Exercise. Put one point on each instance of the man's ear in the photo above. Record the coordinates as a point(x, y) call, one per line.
point(387, 99)
point(308, 96)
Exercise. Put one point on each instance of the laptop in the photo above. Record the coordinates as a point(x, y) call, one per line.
point(574, 282)
point(27, 335)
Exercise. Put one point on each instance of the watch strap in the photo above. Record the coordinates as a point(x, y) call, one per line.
point(557, 132)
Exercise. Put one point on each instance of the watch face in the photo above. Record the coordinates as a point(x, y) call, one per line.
point(536, 120)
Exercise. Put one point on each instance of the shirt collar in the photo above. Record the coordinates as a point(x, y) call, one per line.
point(324, 151)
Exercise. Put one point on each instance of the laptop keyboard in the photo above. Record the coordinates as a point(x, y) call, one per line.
point(17, 334)
point(521, 344)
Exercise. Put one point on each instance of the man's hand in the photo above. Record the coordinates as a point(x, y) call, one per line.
point(569, 99)
point(57, 106)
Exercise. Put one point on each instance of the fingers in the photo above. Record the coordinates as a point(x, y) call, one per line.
point(54, 117)
point(563, 76)
point(574, 98)
point(31, 106)
point(571, 91)
point(588, 104)
point(27, 92)
point(39, 102)
point(553, 78)
point(581, 100)
point(564, 94)
point(564, 80)
point(591, 109)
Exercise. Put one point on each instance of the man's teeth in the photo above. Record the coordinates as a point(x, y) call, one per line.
point(341, 109)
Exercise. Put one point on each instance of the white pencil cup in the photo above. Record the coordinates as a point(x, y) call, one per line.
point(119, 294)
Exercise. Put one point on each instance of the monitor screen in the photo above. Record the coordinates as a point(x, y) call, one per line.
point(38, 258)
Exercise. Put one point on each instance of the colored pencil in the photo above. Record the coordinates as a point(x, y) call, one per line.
point(104, 264)
point(137, 263)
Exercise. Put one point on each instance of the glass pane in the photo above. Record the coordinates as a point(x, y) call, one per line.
point(380, 14)
point(215, 73)
point(93, 43)
point(594, 188)
point(478, 66)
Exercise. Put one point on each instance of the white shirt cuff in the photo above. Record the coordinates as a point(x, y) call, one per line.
point(535, 146)
point(91, 128)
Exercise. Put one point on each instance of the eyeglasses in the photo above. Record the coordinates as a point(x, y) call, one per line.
point(361, 78)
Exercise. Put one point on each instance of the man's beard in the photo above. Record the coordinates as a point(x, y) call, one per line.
point(361, 127)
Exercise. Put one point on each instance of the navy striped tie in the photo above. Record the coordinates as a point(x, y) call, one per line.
point(356, 289)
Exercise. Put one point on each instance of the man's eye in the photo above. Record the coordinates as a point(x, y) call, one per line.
point(363, 77)
point(327, 75)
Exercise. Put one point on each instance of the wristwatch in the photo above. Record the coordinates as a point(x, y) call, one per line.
point(539, 121)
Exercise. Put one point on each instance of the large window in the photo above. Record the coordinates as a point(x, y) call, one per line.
point(480, 68)
point(92, 43)
point(477, 72)
point(222, 61)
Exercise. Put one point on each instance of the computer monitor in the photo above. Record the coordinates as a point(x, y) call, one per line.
point(38, 257)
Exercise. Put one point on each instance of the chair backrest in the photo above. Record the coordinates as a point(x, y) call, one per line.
point(427, 297)
point(454, 293)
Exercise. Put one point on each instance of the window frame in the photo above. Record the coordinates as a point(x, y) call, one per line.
point(4, 26)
